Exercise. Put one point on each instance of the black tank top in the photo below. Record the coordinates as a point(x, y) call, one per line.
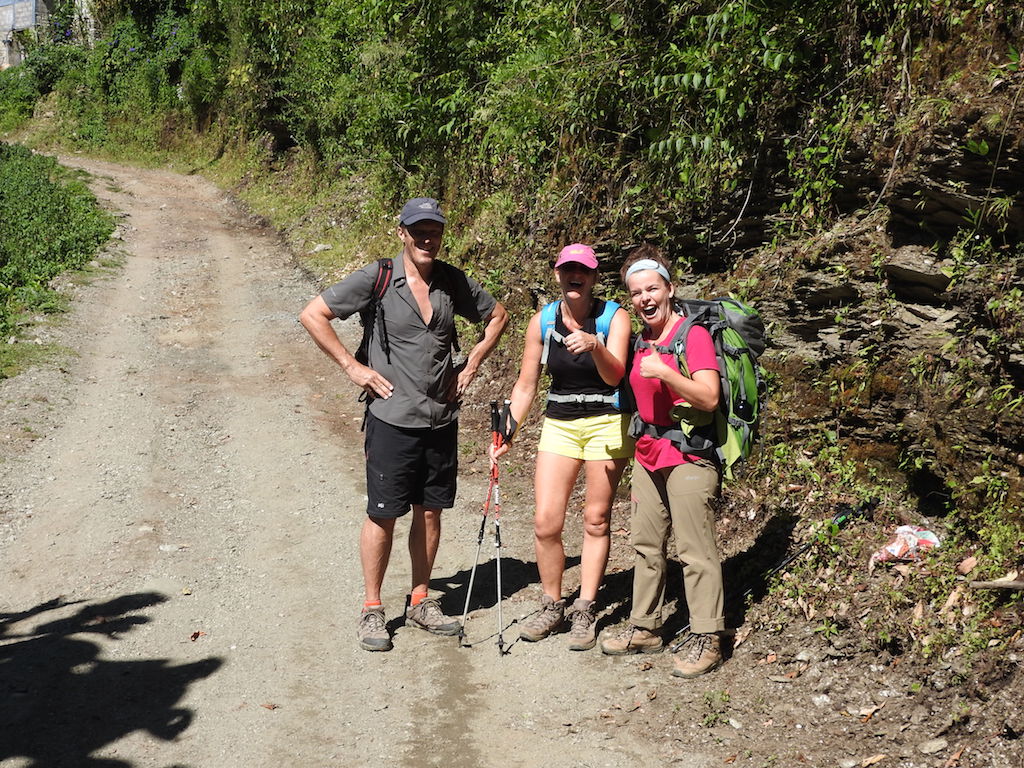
point(576, 374)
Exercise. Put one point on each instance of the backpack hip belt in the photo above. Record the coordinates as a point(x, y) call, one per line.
point(609, 399)
point(686, 438)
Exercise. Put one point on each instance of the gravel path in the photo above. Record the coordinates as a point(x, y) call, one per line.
point(180, 500)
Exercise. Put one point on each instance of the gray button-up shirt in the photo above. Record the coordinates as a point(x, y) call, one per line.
point(420, 366)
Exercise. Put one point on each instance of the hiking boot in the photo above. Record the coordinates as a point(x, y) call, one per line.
point(632, 640)
point(704, 655)
point(545, 621)
point(373, 631)
point(582, 619)
point(427, 615)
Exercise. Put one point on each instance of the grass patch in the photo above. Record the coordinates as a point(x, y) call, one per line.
point(49, 223)
point(21, 355)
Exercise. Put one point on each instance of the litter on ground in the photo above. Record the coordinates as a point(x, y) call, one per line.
point(908, 543)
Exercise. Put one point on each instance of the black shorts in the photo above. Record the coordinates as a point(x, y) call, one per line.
point(409, 466)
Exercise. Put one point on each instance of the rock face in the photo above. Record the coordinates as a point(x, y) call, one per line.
point(918, 357)
point(915, 274)
point(905, 322)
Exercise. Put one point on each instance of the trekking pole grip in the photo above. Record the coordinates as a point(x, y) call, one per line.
point(495, 423)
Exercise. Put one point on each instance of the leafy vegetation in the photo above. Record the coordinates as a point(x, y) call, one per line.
point(657, 109)
point(18, 94)
point(49, 222)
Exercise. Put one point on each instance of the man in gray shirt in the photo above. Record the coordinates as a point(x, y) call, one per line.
point(414, 389)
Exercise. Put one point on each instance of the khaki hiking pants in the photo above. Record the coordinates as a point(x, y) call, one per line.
point(680, 499)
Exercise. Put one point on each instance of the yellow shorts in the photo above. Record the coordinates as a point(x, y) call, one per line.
point(590, 438)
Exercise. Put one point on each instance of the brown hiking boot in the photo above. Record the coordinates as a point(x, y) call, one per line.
point(582, 625)
point(632, 640)
point(545, 621)
point(373, 631)
point(427, 615)
point(703, 656)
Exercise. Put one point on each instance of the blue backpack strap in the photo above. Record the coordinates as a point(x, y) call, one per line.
point(604, 320)
point(547, 328)
point(603, 327)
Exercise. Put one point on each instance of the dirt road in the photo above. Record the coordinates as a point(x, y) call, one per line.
point(180, 499)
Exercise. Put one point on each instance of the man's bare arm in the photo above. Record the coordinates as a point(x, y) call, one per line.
point(316, 319)
point(492, 332)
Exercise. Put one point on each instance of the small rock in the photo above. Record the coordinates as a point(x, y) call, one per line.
point(932, 746)
point(919, 714)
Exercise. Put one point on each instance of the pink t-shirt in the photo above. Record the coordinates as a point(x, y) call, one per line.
point(654, 399)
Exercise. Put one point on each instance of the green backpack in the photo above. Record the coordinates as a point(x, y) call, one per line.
point(728, 435)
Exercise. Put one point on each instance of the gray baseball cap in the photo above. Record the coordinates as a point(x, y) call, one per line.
point(421, 209)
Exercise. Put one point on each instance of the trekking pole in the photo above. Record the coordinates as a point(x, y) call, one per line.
point(472, 573)
point(496, 440)
point(842, 517)
point(476, 560)
point(491, 502)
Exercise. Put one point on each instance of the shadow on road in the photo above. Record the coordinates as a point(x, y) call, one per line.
point(60, 702)
point(515, 575)
point(745, 575)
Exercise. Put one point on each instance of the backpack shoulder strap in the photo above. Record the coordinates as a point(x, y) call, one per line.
point(385, 269)
point(604, 320)
point(374, 313)
point(676, 343)
point(547, 328)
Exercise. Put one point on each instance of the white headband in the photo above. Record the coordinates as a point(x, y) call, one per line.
point(645, 264)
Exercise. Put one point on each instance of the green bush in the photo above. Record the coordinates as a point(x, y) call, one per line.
point(48, 223)
point(18, 94)
point(202, 84)
point(49, 63)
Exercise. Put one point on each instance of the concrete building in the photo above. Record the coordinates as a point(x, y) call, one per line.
point(29, 17)
point(17, 16)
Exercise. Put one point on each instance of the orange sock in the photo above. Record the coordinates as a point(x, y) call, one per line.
point(417, 597)
point(371, 604)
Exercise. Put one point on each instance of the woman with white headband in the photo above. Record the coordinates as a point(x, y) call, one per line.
point(584, 341)
point(672, 491)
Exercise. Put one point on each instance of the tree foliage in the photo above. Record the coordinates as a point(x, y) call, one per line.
point(671, 112)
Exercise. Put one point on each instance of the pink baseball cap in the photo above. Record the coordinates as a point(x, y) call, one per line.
point(581, 254)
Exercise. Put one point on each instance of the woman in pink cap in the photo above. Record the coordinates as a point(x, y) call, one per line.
point(584, 341)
